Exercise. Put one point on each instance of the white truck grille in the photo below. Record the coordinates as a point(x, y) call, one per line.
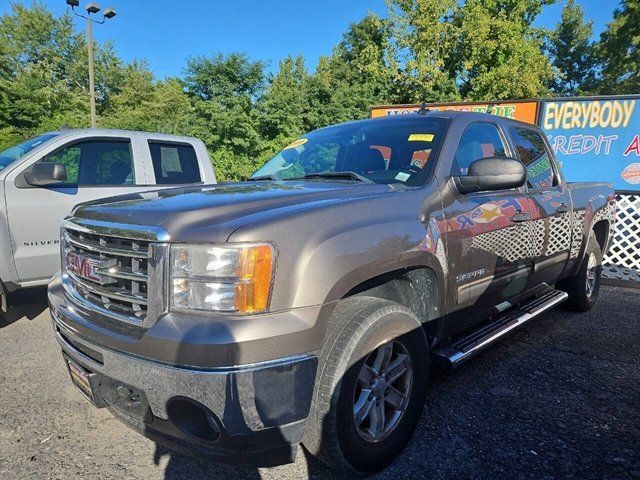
point(109, 272)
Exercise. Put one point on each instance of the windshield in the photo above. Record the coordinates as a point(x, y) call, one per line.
point(395, 151)
point(12, 154)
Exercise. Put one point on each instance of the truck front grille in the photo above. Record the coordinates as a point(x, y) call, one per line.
point(109, 272)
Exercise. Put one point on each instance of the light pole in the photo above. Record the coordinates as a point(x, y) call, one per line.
point(108, 13)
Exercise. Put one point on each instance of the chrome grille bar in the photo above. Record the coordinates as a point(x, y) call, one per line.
point(87, 245)
point(108, 292)
point(122, 273)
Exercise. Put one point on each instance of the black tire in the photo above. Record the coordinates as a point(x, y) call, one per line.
point(4, 301)
point(360, 325)
point(4, 304)
point(581, 297)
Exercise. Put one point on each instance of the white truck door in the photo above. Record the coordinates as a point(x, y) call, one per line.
point(96, 168)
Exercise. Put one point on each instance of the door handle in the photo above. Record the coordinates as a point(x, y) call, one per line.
point(562, 208)
point(520, 217)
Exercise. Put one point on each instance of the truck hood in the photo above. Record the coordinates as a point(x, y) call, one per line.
point(212, 212)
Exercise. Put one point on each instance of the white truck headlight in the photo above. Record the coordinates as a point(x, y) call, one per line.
point(223, 278)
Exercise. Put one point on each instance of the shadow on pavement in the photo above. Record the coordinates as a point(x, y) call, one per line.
point(182, 466)
point(28, 303)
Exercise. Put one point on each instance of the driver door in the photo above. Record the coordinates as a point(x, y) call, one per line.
point(487, 233)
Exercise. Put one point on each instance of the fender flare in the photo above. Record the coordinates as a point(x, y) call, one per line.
point(598, 209)
point(356, 277)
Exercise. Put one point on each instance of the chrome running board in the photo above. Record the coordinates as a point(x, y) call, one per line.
point(472, 343)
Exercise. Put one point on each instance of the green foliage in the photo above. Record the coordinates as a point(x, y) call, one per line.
point(572, 51)
point(619, 51)
point(476, 50)
point(355, 76)
point(426, 50)
point(223, 92)
point(285, 109)
point(38, 53)
point(499, 53)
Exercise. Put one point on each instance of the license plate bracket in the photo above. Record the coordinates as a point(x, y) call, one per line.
point(82, 379)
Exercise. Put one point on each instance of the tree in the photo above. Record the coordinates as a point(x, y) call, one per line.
point(38, 54)
point(7, 135)
point(140, 103)
point(619, 51)
point(223, 90)
point(476, 50)
point(284, 107)
point(219, 77)
point(572, 51)
point(498, 53)
point(355, 76)
point(44, 81)
point(424, 50)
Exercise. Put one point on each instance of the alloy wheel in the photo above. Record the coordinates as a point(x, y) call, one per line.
point(382, 391)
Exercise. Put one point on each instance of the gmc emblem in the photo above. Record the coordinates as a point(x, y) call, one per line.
point(86, 267)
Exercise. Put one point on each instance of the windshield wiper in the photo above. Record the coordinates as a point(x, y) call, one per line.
point(260, 178)
point(344, 175)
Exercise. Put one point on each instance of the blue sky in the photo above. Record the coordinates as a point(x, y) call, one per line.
point(166, 32)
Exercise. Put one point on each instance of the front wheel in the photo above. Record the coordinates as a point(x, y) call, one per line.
point(371, 385)
point(584, 287)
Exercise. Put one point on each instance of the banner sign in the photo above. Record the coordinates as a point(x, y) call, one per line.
point(596, 139)
point(523, 111)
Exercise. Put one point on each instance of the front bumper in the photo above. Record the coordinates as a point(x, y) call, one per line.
point(259, 409)
point(199, 341)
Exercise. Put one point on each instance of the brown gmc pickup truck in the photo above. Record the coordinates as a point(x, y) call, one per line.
point(308, 304)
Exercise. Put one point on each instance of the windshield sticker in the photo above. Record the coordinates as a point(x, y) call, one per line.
point(402, 176)
point(297, 143)
point(421, 137)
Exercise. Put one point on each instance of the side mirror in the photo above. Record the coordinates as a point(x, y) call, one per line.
point(42, 174)
point(493, 174)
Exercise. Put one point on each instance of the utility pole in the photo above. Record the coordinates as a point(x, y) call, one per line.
point(92, 90)
point(108, 13)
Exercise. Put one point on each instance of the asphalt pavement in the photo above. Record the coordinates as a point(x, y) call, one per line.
point(559, 398)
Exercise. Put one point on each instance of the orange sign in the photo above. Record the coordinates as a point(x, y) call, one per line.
point(524, 111)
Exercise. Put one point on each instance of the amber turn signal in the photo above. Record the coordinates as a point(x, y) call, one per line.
point(254, 272)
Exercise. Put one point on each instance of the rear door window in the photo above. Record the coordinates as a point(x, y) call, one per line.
point(533, 153)
point(174, 163)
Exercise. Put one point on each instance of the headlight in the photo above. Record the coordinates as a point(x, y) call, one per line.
point(224, 278)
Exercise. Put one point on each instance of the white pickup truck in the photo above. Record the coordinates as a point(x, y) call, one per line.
point(43, 178)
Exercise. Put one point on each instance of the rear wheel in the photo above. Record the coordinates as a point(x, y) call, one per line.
point(371, 385)
point(584, 287)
